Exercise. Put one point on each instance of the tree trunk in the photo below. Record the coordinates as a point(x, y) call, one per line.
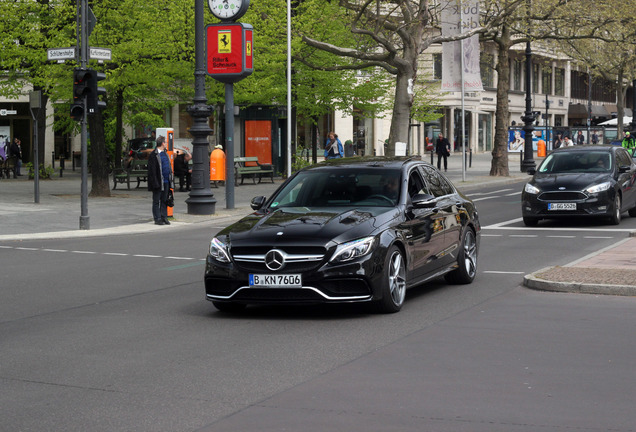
point(401, 111)
point(499, 164)
point(99, 163)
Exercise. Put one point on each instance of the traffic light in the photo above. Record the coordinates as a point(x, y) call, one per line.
point(96, 91)
point(81, 88)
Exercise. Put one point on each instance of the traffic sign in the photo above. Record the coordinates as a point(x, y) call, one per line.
point(100, 53)
point(60, 54)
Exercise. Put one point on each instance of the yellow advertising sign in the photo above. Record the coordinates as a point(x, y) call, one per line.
point(225, 41)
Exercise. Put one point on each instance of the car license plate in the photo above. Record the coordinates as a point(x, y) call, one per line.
point(276, 281)
point(561, 206)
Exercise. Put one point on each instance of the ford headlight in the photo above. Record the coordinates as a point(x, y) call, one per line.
point(352, 250)
point(598, 188)
point(219, 251)
point(531, 189)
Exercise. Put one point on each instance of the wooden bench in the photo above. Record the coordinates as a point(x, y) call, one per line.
point(7, 167)
point(138, 169)
point(250, 167)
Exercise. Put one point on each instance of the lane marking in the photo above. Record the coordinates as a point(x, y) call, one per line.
point(55, 250)
point(560, 236)
point(503, 272)
point(115, 254)
point(84, 252)
point(179, 258)
point(147, 256)
point(524, 235)
point(491, 193)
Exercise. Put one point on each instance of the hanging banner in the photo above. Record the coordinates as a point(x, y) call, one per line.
point(451, 16)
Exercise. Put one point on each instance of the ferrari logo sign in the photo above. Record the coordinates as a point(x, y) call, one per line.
point(225, 41)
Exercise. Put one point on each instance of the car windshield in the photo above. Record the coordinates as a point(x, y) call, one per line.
point(356, 187)
point(576, 162)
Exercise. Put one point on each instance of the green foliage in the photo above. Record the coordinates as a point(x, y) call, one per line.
point(301, 159)
point(46, 172)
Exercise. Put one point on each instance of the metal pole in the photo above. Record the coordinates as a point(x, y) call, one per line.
point(201, 200)
point(85, 221)
point(528, 118)
point(289, 105)
point(589, 104)
point(461, 29)
point(229, 146)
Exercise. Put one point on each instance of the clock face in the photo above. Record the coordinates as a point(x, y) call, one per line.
point(226, 9)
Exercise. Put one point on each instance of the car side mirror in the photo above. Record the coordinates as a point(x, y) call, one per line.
point(258, 202)
point(531, 171)
point(624, 168)
point(423, 201)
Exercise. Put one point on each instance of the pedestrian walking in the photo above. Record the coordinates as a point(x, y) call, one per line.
point(442, 149)
point(159, 181)
point(558, 141)
point(567, 142)
point(333, 147)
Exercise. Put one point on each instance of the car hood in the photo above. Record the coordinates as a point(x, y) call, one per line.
point(569, 181)
point(311, 227)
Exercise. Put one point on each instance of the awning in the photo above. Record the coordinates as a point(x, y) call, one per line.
point(611, 109)
point(599, 111)
point(577, 111)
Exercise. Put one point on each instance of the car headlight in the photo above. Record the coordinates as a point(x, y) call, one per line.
point(219, 251)
point(353, 249)
point(531, 189)
point(599, 188)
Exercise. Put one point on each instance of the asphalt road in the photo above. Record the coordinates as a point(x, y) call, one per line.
point(114, 334)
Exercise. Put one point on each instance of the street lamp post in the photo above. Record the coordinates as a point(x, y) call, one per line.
point(201, 200)
point(529, 117)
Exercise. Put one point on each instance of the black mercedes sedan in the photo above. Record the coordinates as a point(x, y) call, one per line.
point(360, 229)
point(586, 181)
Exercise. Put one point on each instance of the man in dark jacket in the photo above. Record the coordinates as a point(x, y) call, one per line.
point(442, 148)
point(159, 179)
point(15, 150)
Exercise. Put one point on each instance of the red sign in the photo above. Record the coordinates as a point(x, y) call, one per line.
point(229, 51)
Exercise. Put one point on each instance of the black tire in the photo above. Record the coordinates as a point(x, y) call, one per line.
point(393, 283)
point(229, 307)
point(615, 218)
point(466, 260)
point(530, 222)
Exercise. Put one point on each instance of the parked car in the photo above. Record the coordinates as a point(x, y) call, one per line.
point(138, 148)
point(348, 230)
point(587, 181)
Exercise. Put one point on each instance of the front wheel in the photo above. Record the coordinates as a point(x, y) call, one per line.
point(615, 218)
point(530, 221)
point(466, 260)
point(394, 282)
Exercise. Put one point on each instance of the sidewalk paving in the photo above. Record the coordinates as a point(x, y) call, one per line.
point(58, 212)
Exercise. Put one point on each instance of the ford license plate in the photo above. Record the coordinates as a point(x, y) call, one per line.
point(276, 281)
point(561, 206)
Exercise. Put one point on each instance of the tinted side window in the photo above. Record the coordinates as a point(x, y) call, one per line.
point(622, 157)
point(436, 183)
point(416, 184)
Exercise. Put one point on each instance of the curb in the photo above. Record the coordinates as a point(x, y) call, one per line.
point(533, 282)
